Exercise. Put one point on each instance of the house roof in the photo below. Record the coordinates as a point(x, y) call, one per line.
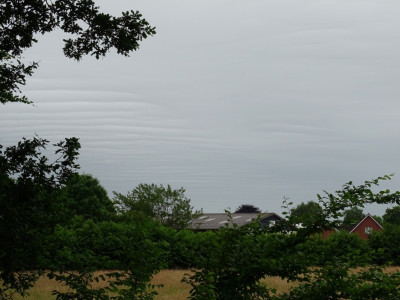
point(351, 227)
point(366, 216)
point(212, 221)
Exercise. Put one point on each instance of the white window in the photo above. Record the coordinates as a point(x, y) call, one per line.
point(368, 230)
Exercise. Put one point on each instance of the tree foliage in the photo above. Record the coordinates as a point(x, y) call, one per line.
point(247, 208)
point(392, 215)
point(306, 213)
point(130, 252)
point(238, 259)
point(387, 243)
point(83, 196)
point(379, 219)
point(228, 263)
point(92, 32)
point(248, 254)
point(168, 206)
point(28, 185)
point(353, 216)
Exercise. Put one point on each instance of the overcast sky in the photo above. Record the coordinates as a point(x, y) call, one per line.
point(237, 101)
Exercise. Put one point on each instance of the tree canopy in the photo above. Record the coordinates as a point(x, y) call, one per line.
point(92, 32)
point(28, 186)
point(247, 208)
point(168, 206)
point(379, 219)
point(83, 196)
point(306, 212)
point(29, 183)
point(392, 215)
point(353, 216)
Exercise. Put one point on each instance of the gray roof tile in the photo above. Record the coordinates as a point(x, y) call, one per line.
point(212, 221)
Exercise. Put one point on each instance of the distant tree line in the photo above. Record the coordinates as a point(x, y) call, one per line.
point(305, 212)
point(61, 224)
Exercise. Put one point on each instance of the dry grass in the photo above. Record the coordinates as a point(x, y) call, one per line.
point(391, 269)
point(173, 288)
point(42, 289)
point(171, 279)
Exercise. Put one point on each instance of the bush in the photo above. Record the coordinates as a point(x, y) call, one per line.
point(386, 244)
point(188, 248)
point(76, 251)
point(344, 247)
point(237, 259)
point(106, 245)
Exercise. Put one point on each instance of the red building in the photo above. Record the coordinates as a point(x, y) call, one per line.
point(364, 228)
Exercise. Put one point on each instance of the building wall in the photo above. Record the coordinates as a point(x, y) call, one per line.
point(368, 222)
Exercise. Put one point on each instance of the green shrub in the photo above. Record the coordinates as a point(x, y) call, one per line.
point(348, 248)
point(237, 259)
point(85, 246)
point(188, 248)
point(387, 244)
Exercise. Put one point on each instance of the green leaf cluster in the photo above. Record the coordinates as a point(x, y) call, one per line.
point(90, 32)
point(168, 206)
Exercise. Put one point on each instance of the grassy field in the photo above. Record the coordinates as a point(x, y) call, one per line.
point(171, 279)
point(173, 288)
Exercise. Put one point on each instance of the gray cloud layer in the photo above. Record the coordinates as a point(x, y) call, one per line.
point(237, 101)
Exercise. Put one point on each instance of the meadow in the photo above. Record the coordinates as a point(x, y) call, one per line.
point(173, 288)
